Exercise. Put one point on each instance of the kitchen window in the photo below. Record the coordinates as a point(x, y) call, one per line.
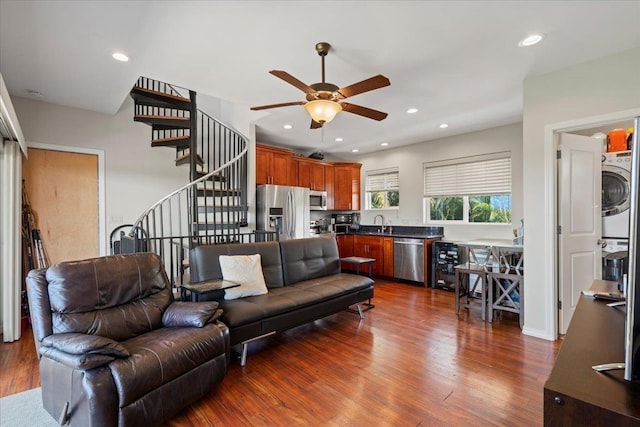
point(468, 190)
point(382, 189)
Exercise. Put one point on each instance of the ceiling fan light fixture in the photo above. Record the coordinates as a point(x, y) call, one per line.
point(322, 110)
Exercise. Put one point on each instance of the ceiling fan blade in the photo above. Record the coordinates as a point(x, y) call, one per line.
point(372, 83)
point(292, 80)
point(315, 125)
point(363, 111)
point(284, 104)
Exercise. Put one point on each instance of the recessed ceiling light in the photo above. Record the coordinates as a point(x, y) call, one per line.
point(339, 140)
point(119, 56)
point(34, 93)
point(412, 110)
point(444, 126)
point(531, 40)
point(287, 127)
point(355, 150)
point(384, 144)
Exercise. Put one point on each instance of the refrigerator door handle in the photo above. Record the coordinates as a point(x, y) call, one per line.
point(293, 215)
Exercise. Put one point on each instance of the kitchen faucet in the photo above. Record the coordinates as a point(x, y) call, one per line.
point(381, 221)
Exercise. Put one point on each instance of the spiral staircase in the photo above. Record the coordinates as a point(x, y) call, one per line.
point(212, 208)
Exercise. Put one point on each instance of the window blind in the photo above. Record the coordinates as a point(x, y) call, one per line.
point(480, 175)
point(382, 181)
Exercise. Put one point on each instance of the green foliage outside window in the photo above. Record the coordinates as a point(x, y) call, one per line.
point(494, 209)
point(446, 208)
point(384, 199)
point(482, 209)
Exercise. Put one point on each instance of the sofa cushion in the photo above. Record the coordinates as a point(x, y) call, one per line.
point(204, 265)
point(290, 298)
point(244, 270)
point(311, 258)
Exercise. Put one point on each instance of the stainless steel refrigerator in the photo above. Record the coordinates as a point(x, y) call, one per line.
point(283, 209)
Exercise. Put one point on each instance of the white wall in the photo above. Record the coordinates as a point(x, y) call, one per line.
point(410, 159)
point(598, 87)
point(136, 174)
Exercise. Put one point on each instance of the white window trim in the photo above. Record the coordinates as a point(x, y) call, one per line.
point(426, 205)
point(367, 205)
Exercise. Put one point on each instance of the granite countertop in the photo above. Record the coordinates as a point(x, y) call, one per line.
point(399, 231)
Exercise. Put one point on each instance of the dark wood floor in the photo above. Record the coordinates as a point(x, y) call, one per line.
point(410, 362)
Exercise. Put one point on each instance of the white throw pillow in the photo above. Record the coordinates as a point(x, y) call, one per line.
point(245, 270)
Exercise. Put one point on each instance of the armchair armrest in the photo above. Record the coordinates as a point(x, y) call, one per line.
point(83, 344)
point(190, 314)
point(81, 351)
point(76, 361)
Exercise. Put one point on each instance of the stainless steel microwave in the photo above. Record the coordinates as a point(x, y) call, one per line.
point(318, 200)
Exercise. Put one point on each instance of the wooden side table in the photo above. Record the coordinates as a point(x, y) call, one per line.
point(358, 261)
point(214, 289)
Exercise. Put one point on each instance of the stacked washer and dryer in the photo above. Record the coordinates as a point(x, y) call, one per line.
point(616, 186)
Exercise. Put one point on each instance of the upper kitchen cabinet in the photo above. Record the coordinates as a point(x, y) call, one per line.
point(346, 185)
point(274, 165)
point(311, 174)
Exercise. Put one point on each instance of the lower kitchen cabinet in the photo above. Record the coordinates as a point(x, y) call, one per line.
point(370, 247)
point(387, 245)
point(345, 249)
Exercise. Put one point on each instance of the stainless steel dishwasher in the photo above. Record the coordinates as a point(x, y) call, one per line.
point(408, 259)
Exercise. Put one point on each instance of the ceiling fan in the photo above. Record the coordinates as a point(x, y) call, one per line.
point(324, 100)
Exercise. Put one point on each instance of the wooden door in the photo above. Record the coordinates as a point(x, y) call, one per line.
point(63, 191)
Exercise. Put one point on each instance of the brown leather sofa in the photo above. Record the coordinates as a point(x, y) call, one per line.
point(304, 283)
point(115, 349)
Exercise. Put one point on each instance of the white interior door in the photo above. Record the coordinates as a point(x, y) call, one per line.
point(579, 218)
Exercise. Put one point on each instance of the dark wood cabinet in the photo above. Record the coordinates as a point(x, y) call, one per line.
point(370, 247)
point(387, 245)
point(346, 184)
point(345, 249)
point(311, 174)
point(575, 394)
point(273, 165)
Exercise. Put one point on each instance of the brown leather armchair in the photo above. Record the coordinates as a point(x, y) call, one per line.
point(114, 347)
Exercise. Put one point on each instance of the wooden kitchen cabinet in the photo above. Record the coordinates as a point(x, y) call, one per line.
point(346, 184)
point(387, 246)
point(273, 165)
point(328, 185)
point(345, 249)
point(311, 174)
point(370, 247)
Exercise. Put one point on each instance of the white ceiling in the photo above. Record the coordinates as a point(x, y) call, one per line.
point(458, 62)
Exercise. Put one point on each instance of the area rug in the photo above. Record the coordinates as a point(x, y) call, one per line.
point(25, 410)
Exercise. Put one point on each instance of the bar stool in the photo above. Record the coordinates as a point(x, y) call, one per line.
point(468, 288)
point(506, 285)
